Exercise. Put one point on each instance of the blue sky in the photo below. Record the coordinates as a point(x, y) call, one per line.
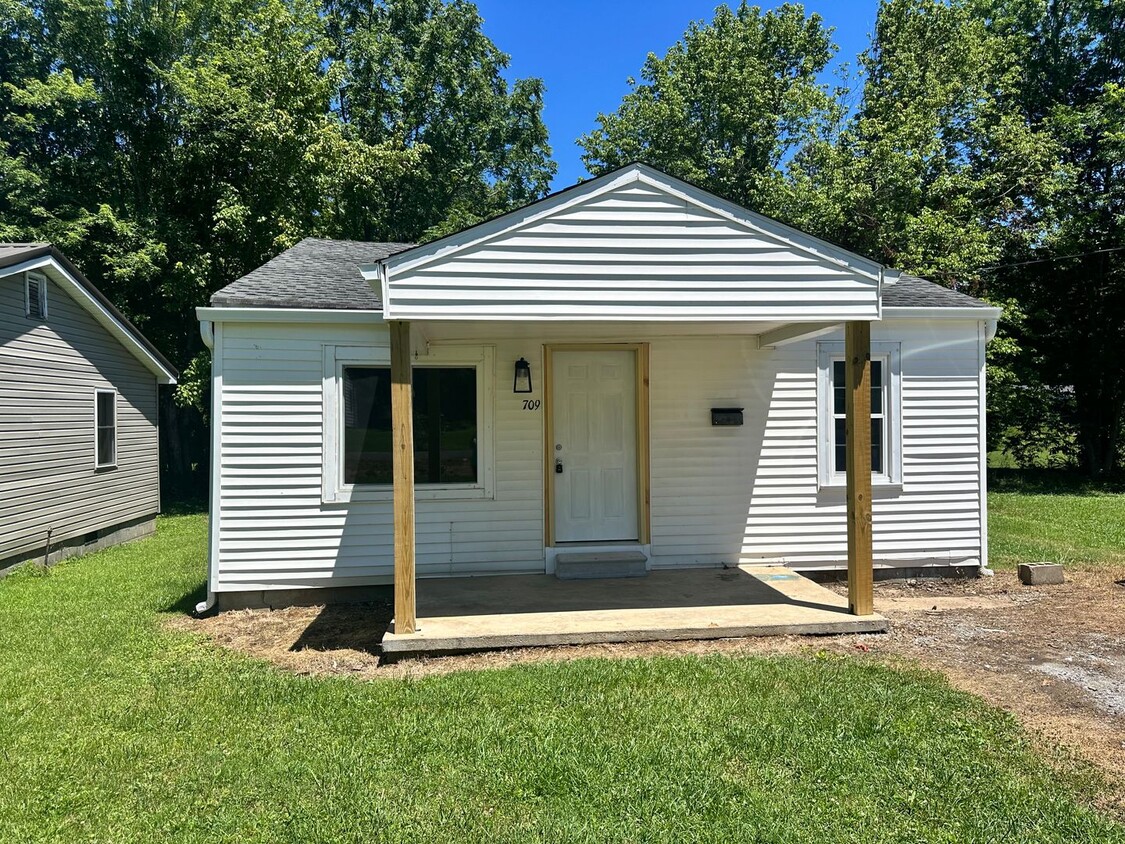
point(585, 50)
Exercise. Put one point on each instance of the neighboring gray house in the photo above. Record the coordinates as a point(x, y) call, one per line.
point(79, 460)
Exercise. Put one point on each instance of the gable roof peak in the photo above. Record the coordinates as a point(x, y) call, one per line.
point(560, 201)
point(43, 256)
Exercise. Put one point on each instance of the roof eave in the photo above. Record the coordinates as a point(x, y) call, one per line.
point(976, 312)
point(265, 313)
point(96, 303)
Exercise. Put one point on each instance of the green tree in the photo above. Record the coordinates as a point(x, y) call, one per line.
point(942, 172)
point(420, 76)
point(169, 148)
point(1073, 52)
point(727, 106)
point(163, 147)
point(938, 169)
point(939, 172)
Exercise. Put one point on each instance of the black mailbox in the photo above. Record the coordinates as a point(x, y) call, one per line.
point(726, 416)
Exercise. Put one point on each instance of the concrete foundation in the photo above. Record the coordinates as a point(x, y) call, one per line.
point(886, 573)
point(457, 615)
point(275, 599)
point(62, 548)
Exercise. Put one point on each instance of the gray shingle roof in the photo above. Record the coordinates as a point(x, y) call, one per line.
point(325, 274)
point(15, 253)
point(313, 274)
point(913, 292)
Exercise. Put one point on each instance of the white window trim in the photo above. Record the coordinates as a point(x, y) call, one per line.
point(333, 488)
point(891, 355)
point(98, 391)
point(42, 281)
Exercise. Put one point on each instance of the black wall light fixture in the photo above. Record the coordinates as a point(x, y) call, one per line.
point(522, 382)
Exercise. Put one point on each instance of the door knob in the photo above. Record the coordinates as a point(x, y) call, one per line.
point(558, 466)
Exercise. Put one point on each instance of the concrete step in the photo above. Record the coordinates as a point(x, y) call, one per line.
point(600, 564)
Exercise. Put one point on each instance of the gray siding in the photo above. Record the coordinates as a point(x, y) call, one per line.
point(48, 374)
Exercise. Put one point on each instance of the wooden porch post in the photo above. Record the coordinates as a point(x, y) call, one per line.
point(857, 351)
point(402, 444)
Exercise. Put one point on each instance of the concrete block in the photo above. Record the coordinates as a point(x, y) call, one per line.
point(1041, 574)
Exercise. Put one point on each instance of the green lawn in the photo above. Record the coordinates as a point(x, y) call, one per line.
point(114, 730)
point(1054, 517)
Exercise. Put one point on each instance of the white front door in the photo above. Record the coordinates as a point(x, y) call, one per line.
point(594, 407)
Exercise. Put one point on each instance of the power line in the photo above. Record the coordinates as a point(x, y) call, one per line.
point(1055, 258)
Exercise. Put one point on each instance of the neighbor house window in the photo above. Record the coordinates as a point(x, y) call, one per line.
point(35, 296)
point(105, 428)
point(445, 425)
point(832, 449)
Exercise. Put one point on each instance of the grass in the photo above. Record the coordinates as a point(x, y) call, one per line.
point(114, 729)
point(1055, 517)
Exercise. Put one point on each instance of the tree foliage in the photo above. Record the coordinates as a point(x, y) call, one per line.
point(170, 147)
point(727, 106)
point(1073, 55)
point(983, 134)
point(420, 75)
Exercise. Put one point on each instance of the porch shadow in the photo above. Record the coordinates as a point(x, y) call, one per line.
point(358, 627)
point(666, 589)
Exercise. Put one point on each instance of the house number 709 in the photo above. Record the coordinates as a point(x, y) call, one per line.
point(531, 404)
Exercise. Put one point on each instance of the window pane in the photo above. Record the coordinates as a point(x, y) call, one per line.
point(106, 446)
point(877, 386)
point(839, 387)
point(841, 450)
point(105, 409)
point(445, 425)
point(367, 425)
point(877, 446)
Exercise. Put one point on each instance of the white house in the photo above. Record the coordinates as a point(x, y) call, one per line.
point(630, 365)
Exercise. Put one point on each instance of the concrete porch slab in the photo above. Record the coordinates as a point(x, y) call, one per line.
point(457, 615)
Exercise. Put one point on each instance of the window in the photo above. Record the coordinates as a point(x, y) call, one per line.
point(445, 425)
point(105, 428)
point(35, 296)
point(454, 393)
point(878, 417)
point(886, 458)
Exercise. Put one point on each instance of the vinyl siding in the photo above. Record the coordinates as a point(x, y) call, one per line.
point(635, 253)
point(48, 374)
point(752, 493)
point(719, 495)
point(275, 531)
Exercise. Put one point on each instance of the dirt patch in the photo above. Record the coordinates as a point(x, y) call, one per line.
point(337, 639)
point(1053, 656)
